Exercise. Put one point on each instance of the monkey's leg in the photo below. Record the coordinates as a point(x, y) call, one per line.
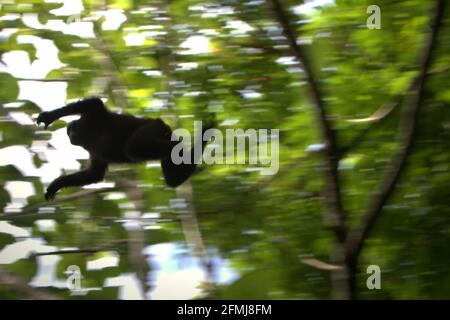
point(176, 174)
point(153, 142)
point(143, 147)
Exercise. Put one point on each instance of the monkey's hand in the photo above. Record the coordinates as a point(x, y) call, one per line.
point(52, 189)
point(47, 118)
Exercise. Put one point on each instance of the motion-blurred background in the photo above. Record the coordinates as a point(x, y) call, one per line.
point(231, 232)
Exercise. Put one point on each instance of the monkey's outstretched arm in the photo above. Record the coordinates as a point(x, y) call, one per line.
point(85, 106)
point(95, 173)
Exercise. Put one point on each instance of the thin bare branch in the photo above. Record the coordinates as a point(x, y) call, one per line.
point(111, 245)
point(58, 252)
point(46, 80)
point(320, 264)
point(379, 114)
point(375, 120)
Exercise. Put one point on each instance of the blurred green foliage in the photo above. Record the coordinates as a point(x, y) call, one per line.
point(261, 225)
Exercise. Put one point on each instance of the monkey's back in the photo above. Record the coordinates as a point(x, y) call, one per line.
point(113, 134)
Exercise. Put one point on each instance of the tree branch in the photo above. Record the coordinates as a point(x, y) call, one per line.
point(112, 245)
point(315, 263)
point(59, 252)
point(334, 198)
point(115, 81)
point(407, 130)
point(45, 80)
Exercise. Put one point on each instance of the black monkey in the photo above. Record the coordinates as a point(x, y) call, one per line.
point(116, 138)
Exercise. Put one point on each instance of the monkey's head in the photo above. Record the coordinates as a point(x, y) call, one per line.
point(77, 132)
